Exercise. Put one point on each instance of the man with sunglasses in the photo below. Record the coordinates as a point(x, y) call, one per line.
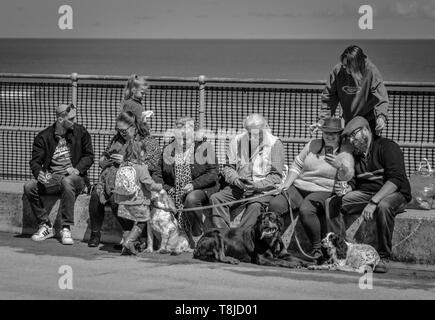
point(61, 156)
point(380, 188)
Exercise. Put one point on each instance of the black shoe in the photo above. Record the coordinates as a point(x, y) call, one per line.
point(317, 254)
point(94, 240)
point(382, 266)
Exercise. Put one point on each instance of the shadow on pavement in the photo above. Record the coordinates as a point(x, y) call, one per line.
point(396, 279)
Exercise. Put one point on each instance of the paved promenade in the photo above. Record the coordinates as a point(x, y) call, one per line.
point(29, 270)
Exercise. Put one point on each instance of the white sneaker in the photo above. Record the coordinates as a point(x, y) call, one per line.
point(66, 236)
point(43, 233)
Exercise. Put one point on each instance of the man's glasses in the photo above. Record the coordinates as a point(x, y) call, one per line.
point(70, 107)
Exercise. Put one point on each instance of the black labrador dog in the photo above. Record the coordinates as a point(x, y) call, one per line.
point(260, 244)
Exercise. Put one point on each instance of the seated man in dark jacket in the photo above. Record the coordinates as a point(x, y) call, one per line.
point(61, 157)
point(380, 187)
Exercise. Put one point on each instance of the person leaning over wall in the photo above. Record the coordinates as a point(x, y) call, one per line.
point(150, 154)
point(255, 161)
point(190, 173)
point(357, 85)
point(61, 156)
point(320, 165)
point(380, 188)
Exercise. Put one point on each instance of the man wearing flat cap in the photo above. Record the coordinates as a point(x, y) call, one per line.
point(380, 188)
point(61, 156)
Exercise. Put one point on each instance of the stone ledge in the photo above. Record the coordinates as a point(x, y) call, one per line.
point(413, 236)
point(16, 217)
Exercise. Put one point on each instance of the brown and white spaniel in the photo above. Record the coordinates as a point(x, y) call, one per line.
point(346, 256)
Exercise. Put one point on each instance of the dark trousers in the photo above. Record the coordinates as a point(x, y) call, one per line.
point(221, 217)
point(97, 211)
point(68, 188)
point(353, 203)
point(311, 206)
point(196, 198)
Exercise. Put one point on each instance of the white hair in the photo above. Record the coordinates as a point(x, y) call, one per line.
point(257, 120)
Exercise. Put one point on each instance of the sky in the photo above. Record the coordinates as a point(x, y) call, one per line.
point(240, 19)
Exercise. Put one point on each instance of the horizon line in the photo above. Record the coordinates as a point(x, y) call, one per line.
point(217, 38)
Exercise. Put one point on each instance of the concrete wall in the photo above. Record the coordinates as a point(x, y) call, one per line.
point(413, 237)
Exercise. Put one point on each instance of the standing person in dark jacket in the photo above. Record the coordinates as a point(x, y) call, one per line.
point(380, 188)
point(357, 85)
point(190, 173)
point(61, 156)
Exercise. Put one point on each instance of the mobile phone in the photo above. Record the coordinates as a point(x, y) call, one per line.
point(329, 150)
point(245, 181)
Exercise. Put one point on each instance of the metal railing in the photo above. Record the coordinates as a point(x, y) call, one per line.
point(27, 102)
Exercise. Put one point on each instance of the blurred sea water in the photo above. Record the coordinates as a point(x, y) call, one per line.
point(398, 60)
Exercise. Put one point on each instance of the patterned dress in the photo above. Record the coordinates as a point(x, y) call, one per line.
point(183, 176)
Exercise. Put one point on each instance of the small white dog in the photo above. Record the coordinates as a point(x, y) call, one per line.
point(165, 226)
point(346, 256)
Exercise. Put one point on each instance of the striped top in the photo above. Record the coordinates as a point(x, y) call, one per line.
point(383, 162)
point(315, 174)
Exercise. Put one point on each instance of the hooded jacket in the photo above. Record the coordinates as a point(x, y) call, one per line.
point(369, 99)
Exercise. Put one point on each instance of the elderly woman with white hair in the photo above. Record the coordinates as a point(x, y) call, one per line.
point(255, 161)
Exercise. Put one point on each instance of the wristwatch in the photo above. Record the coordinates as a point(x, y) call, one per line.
point(373, 202)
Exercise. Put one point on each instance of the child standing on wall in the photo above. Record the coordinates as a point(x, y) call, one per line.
point(134, 94)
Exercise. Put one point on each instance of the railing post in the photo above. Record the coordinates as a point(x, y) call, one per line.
point(201, 80)
point(74, 79)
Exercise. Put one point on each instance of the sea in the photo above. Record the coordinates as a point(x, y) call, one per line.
point(398, 60)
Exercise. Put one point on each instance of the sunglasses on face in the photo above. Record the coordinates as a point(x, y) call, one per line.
point(354, 133)
point(123, 132)
point(70, 107)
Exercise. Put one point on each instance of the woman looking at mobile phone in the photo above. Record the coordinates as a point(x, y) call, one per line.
point(311, 179)
point(148, 152)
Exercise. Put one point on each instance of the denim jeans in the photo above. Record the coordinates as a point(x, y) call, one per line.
point(196, 198)
point(221, 217)
point(97, 213)
point(353, 203)
point(68, 188)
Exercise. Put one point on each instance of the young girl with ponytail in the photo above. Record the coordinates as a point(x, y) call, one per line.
point(134, 93)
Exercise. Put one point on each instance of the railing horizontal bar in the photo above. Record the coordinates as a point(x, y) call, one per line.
point(208, 80)
point(35, 76)
point(125, 78)
point(265, 81)
point(405, 144)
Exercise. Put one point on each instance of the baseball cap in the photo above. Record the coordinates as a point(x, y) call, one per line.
point(355, 123)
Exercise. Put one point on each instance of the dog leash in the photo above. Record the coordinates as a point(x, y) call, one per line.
point(293, 222)
point(230, 203)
